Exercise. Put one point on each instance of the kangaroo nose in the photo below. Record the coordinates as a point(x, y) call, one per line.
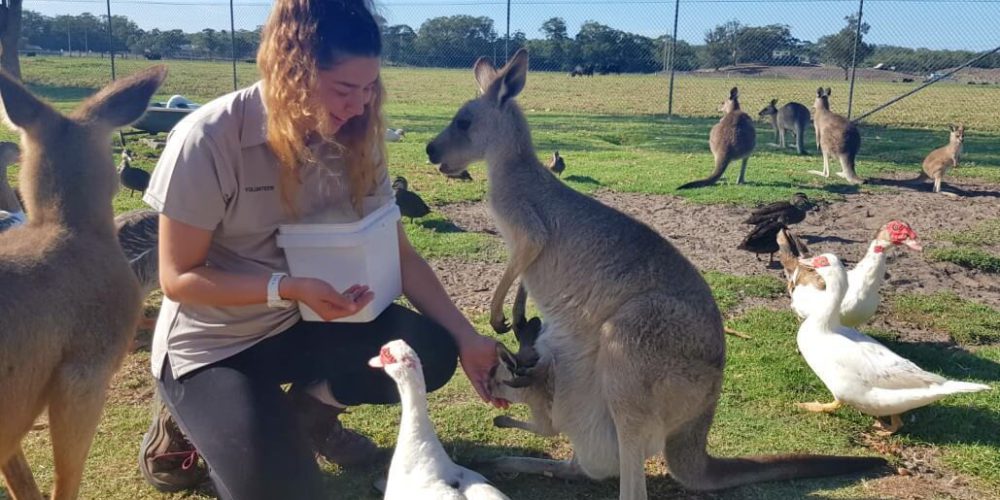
point(432, 153)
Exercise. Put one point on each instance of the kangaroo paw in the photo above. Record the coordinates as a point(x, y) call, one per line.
point(819, 173)
point(500, 324)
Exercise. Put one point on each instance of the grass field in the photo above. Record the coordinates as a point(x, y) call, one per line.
point(616, 132)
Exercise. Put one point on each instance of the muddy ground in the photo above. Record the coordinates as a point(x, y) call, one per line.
point(708, 236)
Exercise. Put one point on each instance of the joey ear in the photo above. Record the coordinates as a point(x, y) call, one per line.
point(513, 77)
point(22, 109)
point(819, 92)
point(123, 101)
point(506, 356)
point(484, 72)
point(774, 102)
point(828, 91)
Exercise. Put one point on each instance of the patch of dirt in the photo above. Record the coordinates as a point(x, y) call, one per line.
point(918, 474)
point(708, 236)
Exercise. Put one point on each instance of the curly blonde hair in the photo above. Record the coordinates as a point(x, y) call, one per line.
point(300, 38)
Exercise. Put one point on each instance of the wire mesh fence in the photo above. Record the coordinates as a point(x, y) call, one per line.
point(677, 53)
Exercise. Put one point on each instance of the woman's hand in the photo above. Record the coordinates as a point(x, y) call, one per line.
point(478, 355)
point(323, 299)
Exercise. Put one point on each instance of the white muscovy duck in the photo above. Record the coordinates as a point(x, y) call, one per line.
point(420, 467)
point(864, 280)
point(857, 369)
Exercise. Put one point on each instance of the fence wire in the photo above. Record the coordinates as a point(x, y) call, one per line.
point(704, 45)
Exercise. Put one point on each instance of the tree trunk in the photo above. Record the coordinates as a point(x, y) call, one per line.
point(10, 33)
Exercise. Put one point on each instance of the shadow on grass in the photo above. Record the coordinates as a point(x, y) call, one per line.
point(583, 179)
point(441, 226)
point(928, 187)
point(59, 94)
point(658, 485)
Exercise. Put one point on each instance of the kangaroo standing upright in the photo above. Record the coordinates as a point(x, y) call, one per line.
point(69, 302)
point(792, 116)
point(633, 343)
point(835, 136)
point(733, 138)
point(941, 159)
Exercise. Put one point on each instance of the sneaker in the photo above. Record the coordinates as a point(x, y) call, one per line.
point(167, 460)
point(328, 436)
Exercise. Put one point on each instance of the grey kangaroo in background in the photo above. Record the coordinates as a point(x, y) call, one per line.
point(733, 138)
point(835, 137)
point(630, 360)
point(792, 116)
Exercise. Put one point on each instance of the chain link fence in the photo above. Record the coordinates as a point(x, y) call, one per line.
point(678, 53)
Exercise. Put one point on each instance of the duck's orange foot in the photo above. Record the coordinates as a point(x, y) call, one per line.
point(889, 429)
point(817, 407)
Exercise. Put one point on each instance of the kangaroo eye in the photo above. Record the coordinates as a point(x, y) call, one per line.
point(463, 124)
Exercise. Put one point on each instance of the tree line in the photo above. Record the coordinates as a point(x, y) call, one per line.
point(456, 41)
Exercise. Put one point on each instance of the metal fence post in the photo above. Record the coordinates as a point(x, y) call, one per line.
point(232, 39)
point(111, 42)
point(854, 57)
point(506, 42)
point(673, 52)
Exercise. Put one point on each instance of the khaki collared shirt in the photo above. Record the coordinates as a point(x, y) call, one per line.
point(218, 174)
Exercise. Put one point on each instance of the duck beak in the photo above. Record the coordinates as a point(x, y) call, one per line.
point(913, 244)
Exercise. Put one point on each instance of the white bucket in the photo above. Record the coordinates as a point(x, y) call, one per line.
point(365, 252)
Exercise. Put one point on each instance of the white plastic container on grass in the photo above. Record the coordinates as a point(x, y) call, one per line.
point(364, 252)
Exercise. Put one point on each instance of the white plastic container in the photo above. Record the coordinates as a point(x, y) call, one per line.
point(365, 252)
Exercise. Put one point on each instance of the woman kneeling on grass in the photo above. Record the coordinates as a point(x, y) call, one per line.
point(306, 140)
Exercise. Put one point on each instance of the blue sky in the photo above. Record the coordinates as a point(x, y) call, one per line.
point(937, 24)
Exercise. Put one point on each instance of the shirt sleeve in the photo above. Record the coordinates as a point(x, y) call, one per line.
point(192, 182)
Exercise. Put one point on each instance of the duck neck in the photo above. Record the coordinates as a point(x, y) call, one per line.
point(415, 422)
point(870, 271)
point(827, 314)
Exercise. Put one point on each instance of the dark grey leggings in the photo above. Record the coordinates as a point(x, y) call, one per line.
point(238, 417)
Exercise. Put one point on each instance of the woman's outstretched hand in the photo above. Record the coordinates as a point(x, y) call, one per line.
point(326, 301)
point(478, 355)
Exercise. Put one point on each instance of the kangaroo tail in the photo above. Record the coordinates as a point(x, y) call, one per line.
point(695, 469)
point(847, 163)
point(720, 168)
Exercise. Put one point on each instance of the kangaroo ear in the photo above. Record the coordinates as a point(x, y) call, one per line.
point(513, 77)
point(22, 109)
point(734, 93)
point(123, 101)
point(485, 73)
point(774, 102)
point(828, 91)
point(819, 92)
point(507, 357)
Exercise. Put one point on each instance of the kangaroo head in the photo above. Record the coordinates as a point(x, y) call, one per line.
point(822, 98)
point(67, 169)
point(957, 133)
point(769, 110)
point(491, 120)
point(732, 103)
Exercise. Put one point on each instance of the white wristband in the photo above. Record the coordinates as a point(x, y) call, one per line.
point(274, 299)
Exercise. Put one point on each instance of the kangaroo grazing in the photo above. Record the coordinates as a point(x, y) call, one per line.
point(733, 138)
point(69, 302)
point(835, 136)
point(792, 116)
point(630, 358)
point(941, 159)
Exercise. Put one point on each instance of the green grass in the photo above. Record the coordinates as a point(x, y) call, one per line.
point(965, 321)
point(972, 248)
point(614, 135)
point(968, 257)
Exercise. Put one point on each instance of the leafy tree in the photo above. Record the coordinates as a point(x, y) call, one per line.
point(722, 45)
point(759, 43)
point(838, 48)
point(10, 36)
point(685, 57)
point(455, 41)
point(398, 43)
